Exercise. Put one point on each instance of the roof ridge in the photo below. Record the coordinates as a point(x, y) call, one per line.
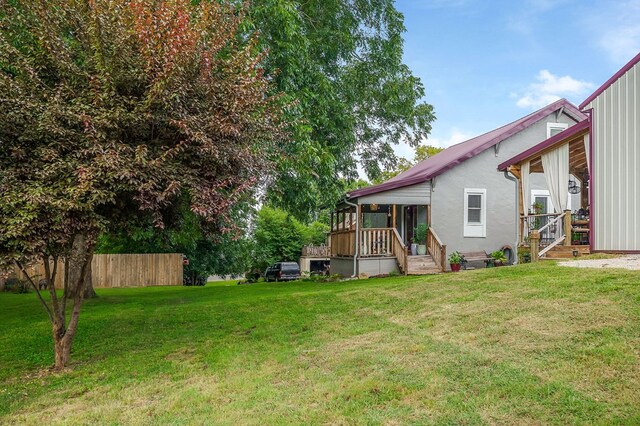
point(424, 170)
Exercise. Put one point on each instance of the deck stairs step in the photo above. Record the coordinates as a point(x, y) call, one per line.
point(566, 252)
point(421, 265)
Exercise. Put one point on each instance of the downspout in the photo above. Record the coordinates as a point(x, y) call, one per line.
point(590, 168)
point(355, 255)
point(515, 250)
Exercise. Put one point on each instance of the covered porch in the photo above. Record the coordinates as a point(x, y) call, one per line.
point(379, 237)
point(556, 221)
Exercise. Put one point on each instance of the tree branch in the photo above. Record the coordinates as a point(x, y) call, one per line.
point(35, 287)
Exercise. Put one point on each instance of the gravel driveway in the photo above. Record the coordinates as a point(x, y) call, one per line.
point(625, 262)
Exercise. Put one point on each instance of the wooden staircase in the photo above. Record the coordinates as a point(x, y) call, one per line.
point(422, 265)
point(566, 252)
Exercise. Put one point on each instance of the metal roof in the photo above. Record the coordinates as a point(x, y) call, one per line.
point(457, 154)
point(553, 140)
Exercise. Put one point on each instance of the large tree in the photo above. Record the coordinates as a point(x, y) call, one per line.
point(113, 109)
point(341, 61)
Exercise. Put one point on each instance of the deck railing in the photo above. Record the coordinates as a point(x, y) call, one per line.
point(343, 243)
point(436, 249)
point(316, 251)
point(385, 242)
point(400, 251)
point(535, 222)
point(556, 231)
point(376, 241)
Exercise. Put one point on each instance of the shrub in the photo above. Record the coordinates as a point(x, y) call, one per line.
point(455, 258)
point(524, 255)
point(322, 278)
point(499, 256)
point(421, 233)
point(16, 285)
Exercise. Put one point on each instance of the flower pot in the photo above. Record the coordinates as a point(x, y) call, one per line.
point(414, 249)
point(422, 249)
point(455, 267)
point(490, 263)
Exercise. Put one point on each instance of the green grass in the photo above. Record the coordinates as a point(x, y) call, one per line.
point(535, 344)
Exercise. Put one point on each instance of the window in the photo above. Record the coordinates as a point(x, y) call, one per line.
point(475, 214)
point(555, 128)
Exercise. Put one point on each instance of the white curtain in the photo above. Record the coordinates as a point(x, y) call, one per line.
point(556, 172)
point(526, 192)
point(586, 151)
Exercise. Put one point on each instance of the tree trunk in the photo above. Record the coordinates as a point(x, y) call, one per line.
point(89, 292)
point(77, 275)
point(78, 269)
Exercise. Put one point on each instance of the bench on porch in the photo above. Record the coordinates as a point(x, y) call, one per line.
point(474, 256)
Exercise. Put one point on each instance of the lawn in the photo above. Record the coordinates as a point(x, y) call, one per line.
point(534, 344)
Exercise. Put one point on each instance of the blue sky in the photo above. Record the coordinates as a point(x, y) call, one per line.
point(486, 63)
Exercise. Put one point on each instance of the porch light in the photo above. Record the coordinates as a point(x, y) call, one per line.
point(574, 188)
point(374, 207)
point(585, 178)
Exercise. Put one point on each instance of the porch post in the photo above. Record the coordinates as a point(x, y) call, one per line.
point(359, 229)
point(331, 221)
point(515, 170)
point(426, 214)
point(393, 217)
point(567, 227)
point(352, 213)
point(534, 237)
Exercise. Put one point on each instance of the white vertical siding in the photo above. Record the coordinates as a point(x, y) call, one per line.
point(616, 152)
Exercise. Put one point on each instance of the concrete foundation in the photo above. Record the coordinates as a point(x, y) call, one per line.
point(369, 266)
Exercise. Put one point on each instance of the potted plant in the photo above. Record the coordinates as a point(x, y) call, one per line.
point(455, 261)
point(414, 247)
point(537, 208)
point(524, 255)
point(499, 258)
point(575, 238)
point(421, 237)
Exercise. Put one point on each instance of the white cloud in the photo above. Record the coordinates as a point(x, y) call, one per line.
point(622, 43)
point(616, 28)
point(549, 88)
point(455, 136)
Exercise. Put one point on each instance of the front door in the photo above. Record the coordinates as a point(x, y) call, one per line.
point(410, 222)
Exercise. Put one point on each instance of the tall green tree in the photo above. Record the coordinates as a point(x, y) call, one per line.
point(116, 109)
point(208, 254)
point(341, 62)
point(279, 236)
point(422, 152)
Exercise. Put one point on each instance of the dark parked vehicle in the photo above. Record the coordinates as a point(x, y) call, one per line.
point(282, 271)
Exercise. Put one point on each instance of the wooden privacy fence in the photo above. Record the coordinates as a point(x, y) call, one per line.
point(125, 270)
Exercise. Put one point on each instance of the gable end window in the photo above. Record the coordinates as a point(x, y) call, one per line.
point(475, 212)
point(555, 128)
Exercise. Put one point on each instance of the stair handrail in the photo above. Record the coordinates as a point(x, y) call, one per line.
point(550, 246)
point(400, 251)
point(552, 221)
point(436, 249)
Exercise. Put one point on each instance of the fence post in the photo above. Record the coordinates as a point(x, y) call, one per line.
point(567, 227)
point(534, 238)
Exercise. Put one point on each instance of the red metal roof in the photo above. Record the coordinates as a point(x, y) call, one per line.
point(553, 140)
point(457, 154)
point(612, 80)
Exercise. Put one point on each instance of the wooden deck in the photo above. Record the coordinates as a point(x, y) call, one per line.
point(386, 242)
